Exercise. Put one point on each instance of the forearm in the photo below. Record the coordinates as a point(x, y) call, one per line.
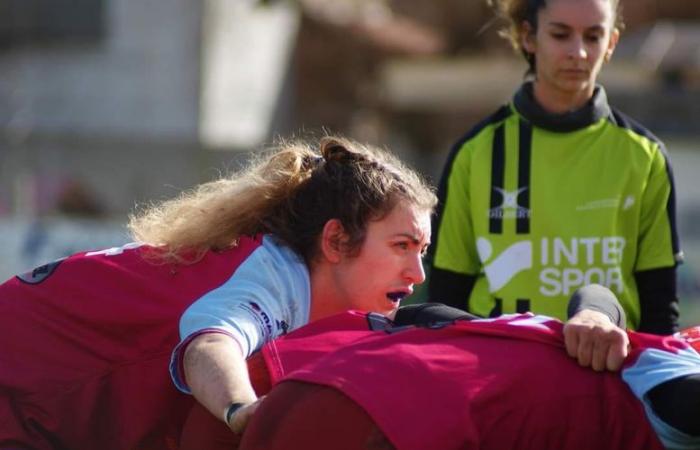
point(595, 297)
point(427, 314)
point(677, 402)
point(450, 288)
point(216, 372)
point(658, 300)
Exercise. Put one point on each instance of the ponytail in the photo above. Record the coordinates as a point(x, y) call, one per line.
point(291, 194)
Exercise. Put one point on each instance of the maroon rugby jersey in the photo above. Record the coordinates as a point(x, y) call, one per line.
point(85, 344)
point(486, 384)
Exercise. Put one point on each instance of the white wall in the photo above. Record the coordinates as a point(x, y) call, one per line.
point(141, 80)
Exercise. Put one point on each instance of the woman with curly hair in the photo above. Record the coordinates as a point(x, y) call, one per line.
point(341, 229)
point(303, 233)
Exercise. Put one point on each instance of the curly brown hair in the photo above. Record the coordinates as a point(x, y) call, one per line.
point(290, 193)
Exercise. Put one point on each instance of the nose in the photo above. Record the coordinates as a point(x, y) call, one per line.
point(414, 271)
point(577, 49)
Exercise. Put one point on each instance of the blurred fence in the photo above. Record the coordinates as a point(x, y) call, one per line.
point(25, 244)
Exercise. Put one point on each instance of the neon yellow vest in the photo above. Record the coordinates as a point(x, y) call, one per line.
point(537, 212)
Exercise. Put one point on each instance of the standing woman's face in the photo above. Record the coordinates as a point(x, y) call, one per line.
point(572, 40)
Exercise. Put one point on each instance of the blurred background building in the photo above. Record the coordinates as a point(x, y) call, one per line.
point(107, 104)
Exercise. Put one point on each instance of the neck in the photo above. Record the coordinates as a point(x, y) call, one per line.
point(322, 294)
point(559, 102)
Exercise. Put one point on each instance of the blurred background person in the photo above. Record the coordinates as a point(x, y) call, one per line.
point(557, 190)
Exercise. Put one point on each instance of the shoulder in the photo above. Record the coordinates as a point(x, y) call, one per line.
point(275, 276)
point(282, 257)
point(270, 265)
point(472, 138)
point(637, 132)
point(485, 125)
point(267, 295)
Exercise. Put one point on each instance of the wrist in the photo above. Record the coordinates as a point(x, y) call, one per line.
point(597, 298)
point(592, 316)
point(231, 410)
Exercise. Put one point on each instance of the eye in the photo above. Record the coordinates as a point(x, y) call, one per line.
point(403, 245)
point(593, 38)
point(559, 36)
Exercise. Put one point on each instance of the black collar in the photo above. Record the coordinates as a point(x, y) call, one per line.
point(596, 108)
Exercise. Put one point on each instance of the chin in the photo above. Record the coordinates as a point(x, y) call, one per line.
point(577, 86)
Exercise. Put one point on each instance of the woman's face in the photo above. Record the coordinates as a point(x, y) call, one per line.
point(572, 40)
point(388, 264)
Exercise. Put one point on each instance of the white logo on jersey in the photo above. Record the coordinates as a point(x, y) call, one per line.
point(570, 263)
point(504, 267)
point(599, 204)
point(509, 208)
point(564, 264)
point(629, 202)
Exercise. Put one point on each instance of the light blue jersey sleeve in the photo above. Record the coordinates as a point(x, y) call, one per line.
point(652, 368)
point(268, 295)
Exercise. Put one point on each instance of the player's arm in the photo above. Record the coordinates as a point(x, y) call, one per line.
point(677, 403)
point(450, 288)
point(658, 300)
point(453, 264)
point(595, 297)
point(217, 375)
point(658, 251)
point(594, 334)
point(427, 314)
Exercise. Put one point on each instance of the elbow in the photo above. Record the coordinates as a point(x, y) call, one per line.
point(204, 351)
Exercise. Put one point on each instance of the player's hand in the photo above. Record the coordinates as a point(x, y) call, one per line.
point(595, 341)
point(239, 420)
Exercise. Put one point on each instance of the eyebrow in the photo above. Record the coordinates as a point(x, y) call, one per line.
point(412, 237)
point(596, 27)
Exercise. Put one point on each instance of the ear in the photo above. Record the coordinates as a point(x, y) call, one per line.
point(612, 43)
point(333, 238)
point(527, 37)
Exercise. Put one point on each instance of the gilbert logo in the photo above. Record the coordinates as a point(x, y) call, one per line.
point(509, 207)
point(510, 262)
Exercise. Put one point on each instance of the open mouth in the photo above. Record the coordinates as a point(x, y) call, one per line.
point(396, 296)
